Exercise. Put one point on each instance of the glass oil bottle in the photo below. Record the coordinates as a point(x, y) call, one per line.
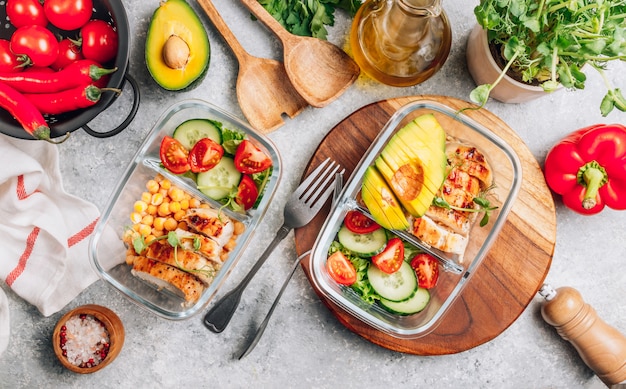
point(400, 42)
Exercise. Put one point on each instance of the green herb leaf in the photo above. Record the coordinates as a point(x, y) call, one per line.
point(480, 94)
point(308, 17)
point(548, 41)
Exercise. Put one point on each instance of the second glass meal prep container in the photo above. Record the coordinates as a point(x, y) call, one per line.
point(108, 251)
point(454, 274)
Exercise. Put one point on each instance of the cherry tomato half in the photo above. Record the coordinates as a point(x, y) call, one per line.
point(358, 223)
point(174, 156)
point(341, 269)
point(250, 159)
point(391, 258)
point(247, 192)
point(68, 14)
point(99, 41)
point(37, 43)
point(9, 62)
point(427, 270)
point(204, 155)
point(26, 12)
point(68, 53)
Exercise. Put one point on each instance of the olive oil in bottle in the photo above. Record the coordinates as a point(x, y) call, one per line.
point(400, 42)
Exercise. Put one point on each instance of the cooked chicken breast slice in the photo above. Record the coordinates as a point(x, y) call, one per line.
point(471, 160)
point(439, 237)
point(210, 223)
point(184, 260)
point(200, 244)
point(181, 283)
point(459, 190)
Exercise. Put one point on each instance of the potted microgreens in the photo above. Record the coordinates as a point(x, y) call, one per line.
point(546, 43)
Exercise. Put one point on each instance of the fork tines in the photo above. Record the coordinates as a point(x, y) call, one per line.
point(311, 192)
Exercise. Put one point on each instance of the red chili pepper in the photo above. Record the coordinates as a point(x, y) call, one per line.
point(67, 100)
point(79, 73)
point(24, 111)
point(588, 168)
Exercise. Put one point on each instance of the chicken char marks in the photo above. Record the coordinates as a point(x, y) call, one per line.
point(448, 229)
point(190, 267)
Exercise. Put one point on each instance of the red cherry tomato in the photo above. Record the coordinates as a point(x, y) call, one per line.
point(341, 269)
point(358, 223)
point(204, 155)
point(9, 62)
point(68, 53)
point(249, 159)
point(391, 258)
point(36, 43)
point(427, 270)
point(99, 41)
point(25, 13)
point(174, 156)
point(68, 14)
point(247, 192)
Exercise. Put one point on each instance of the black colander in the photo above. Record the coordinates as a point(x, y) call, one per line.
point(111, 11)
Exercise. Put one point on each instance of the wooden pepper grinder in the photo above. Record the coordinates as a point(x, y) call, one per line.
point(602, 347)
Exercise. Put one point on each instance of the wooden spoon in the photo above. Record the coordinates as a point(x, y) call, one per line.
point(319, 70)
point(264, 91)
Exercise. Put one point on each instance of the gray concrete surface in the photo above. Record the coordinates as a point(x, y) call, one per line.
point(304, 345)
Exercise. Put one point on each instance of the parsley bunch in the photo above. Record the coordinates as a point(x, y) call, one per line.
point(549, 41)
point(308, 17)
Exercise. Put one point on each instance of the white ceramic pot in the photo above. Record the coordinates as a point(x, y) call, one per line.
point(484, 70)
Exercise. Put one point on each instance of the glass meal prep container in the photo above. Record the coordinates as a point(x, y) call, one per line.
point(108, 251)
point(454, 272)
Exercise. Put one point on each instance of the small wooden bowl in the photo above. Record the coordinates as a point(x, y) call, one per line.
point(112, 324)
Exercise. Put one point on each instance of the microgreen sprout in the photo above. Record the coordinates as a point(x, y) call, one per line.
point(549, 41)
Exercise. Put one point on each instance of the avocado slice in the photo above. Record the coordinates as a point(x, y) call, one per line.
point(381, 202)
point(413, 163)
point(177, 48)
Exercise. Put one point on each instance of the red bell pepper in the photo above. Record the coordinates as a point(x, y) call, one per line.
point(588, 168)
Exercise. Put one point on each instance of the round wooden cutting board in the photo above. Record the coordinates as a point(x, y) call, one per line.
point(509, 276)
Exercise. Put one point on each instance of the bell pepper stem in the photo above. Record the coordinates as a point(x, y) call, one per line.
point(593, 177)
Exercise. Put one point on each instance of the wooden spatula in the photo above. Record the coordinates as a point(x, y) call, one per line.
point(264, 91)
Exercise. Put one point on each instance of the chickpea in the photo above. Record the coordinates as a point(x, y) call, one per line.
point(152, 186)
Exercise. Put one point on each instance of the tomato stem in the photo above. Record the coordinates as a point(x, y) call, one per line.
point(593, 177)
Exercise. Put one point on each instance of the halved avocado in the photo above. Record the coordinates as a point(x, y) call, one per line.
point(177, 46)
point(413, 163)
point(381, 202)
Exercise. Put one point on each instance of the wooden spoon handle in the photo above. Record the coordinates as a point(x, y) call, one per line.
point(223, 29)
point(261, 13)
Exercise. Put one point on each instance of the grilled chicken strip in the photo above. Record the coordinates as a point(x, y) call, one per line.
point(438, 236)
point(184, 260)
point(448, 229)
point(183, 284)
point(200, 244)
point(469, 159)
point(459, 190)
point(210, 223)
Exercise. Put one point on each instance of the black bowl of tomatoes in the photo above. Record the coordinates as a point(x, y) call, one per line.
point(63, 62)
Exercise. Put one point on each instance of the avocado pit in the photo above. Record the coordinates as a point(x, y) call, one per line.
point(176, 52)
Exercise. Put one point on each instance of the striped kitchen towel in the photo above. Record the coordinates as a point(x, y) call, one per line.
point(44, 231)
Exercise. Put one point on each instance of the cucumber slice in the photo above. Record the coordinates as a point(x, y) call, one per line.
point(190, 132)
point(413, 305)
point(364, 245)
point(398, 286)
point(220, 181)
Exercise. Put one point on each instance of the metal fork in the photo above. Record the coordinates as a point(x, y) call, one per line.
point(261, 329)
point(300, 209)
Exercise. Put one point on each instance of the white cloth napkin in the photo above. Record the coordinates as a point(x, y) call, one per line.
point(44, 231)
